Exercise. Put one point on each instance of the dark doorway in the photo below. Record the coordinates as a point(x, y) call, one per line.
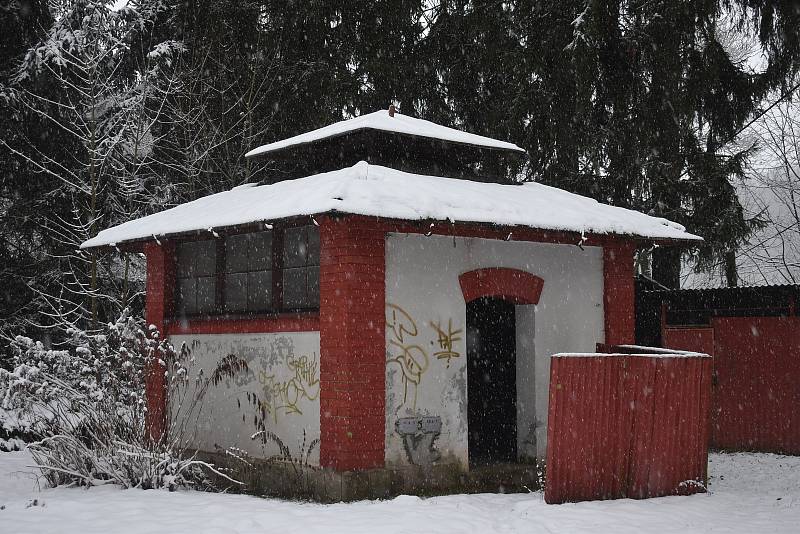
point(491, 381)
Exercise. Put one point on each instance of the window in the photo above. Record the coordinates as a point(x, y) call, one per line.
point(275, 270)
point(196, 278)
point(248, 272)
point(301, 267)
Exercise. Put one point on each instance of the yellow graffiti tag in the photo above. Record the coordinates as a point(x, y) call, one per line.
point(400, 322)
point(411, 358)
point(446, 339)
point(284, 396)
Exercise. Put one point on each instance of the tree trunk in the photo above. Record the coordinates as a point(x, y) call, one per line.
point(667, 267)
point(731, 274)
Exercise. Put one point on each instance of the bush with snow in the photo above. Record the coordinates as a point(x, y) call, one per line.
point(85, 408)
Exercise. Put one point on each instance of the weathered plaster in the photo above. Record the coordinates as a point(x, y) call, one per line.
point(283, 372)
point(426, 331)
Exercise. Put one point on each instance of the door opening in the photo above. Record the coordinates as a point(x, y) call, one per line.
point(491, 381)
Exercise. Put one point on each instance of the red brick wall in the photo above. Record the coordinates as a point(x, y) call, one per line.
point(352, 343)
point(618, 292)
point(285, 322)
point(513, 285)
point(160, 287)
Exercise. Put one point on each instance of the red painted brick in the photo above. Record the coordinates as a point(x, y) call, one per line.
point(352, 351)
point(158, 306)
point(618, 292)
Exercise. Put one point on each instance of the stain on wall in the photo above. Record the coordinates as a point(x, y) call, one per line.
point(419, 436)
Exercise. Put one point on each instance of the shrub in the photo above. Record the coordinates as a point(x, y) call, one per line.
point(86, 409)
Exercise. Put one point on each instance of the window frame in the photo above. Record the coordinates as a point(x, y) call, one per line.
point(220, 272)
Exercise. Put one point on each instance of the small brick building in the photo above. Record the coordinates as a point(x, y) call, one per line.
point(393, 298)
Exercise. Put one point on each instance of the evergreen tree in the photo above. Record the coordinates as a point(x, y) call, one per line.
point(21, 244)
point(658, 98)
point(115, 113)
point(85, 139)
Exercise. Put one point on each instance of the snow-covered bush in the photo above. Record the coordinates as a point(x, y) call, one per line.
point(85, 407)
point(108, 364)
point(101, 367)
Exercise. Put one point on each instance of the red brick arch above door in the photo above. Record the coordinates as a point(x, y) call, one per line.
point(513, 285)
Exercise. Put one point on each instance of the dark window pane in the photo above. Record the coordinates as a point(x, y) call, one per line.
point(236, 292)
point(185, 260)
point(195, 290)
point(294, 247)
point(295, 288)
point(313, 245)
point(184, 297)
point(236, 250)
point(313, 287)
point(205, 293)
point(259, 291)
point(205, 257)
point(196, 258)
point(248, 252)
point(260, 255)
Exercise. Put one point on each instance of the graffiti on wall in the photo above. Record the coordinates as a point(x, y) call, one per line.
point(419, 436)
point(406, 348)
point(446, 339)
point(282, 395)
point(279, 395)
point(409, 356)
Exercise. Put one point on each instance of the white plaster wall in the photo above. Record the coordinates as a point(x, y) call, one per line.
point(526, 381)
point(422, 292)
point(283, 372)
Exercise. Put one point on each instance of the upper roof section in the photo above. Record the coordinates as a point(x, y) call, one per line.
point(365, 189)
point(392, 122)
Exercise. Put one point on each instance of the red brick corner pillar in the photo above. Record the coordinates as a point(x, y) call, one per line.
point(352, 343)
point(159, 293)
point(619, 293)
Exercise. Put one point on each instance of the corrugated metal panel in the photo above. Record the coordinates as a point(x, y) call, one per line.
point(756, 396)
point(758, 383)
point(697, 339)
point(626, 426)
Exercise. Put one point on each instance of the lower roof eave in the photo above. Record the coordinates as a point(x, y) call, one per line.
point(482, 229)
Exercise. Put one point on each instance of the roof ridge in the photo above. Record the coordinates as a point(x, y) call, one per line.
point(382, 121)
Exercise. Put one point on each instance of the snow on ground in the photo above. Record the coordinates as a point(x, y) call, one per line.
point(749, 493)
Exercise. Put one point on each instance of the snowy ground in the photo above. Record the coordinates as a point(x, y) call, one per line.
point(750, 493)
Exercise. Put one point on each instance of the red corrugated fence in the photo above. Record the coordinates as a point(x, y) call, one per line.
point(756, 393)
point(627, 425)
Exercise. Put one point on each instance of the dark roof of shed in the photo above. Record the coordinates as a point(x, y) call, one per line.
point(696, 306)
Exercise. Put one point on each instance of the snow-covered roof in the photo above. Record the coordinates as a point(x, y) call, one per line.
point(380, 120)
point(365, 189)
